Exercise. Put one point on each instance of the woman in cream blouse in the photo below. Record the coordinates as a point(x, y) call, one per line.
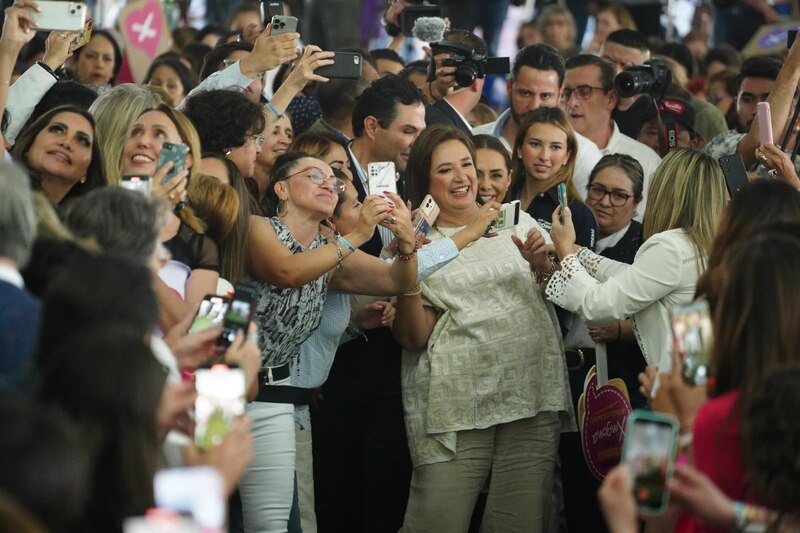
point(484, 377)
point(686, 198)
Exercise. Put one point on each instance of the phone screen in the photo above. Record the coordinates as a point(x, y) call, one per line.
point(211, 313)
point(220, 399)
point(237, 318)
point(691, 328)
point(649, 453)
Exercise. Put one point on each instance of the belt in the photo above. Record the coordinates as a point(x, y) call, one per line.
point(267, 392)
point(578, 357)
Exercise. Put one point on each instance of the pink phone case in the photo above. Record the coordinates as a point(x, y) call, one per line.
point(764, 122)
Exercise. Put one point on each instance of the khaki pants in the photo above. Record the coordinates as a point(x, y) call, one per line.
point(521, 458)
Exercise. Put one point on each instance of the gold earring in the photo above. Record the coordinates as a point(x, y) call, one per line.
point(227, 153)
point(83, 179)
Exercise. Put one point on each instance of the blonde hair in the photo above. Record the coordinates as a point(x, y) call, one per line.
point(687, 191)
point(555, 117)
point(216, 203)
point(114, 112)
point(621, 13)
point(555, 9)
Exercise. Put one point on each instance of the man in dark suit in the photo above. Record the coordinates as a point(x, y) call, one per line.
point(19, 312)
point(362, 468)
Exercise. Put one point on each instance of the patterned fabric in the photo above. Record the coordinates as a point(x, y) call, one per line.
point(495, 354)
point(286, 317)
point(728, 143)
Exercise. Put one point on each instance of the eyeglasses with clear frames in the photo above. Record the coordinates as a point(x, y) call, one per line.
point(582, 92)
point(317, 175)
point(617, 198)
point(259, 139)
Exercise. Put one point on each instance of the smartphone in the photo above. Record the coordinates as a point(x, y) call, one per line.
point(649, 451)
point(791, 35)
point(508, 217)
point(175, 152)
point(283, 24)
point(346, 66)
point(211, 312)
point(84, 36)
point(562, 198)
point(239, 313)
point(764, 122)
point(220, 399)
point(691, 329)
point(59, 16)
point(409, 16)
point(735, 172)
point(425, 218)
point(271, 8)
point(136, 182)
point(382, 177)
point(195, 490)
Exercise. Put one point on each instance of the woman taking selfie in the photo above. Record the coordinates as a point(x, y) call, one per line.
point(293, 266)
point(484, 378)
point(688, 195)
point(543, 157)
point(61, 155)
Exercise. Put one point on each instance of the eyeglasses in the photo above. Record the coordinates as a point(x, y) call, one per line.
point(316, 175)
point(617, 198)
point(582, 92)
point(259, 139)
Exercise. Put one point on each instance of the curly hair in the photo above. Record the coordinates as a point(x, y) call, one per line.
point(224, 119)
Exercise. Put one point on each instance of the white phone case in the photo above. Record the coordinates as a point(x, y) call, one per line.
point(60, 16)
point(381, 177)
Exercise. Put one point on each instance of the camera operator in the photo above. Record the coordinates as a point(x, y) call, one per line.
point(589, 97)
point(627, 48)
point(453, 108)
point(677, 112)
point(536, 78)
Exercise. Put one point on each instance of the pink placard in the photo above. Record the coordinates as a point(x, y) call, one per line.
point(603, 413)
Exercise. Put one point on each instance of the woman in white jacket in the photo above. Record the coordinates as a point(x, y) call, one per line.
point(686, 197)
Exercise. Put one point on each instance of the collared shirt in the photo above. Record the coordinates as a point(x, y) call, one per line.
point(386, 234)
point(619, 143)
point(612, 240)
point(587, 157)
point(11, 276)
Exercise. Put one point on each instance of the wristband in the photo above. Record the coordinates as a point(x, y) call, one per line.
point(346, 243)
point(273, 110)
point(47, 68)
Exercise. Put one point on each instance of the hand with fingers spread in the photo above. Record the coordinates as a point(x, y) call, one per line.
point(269, 52)
point(563, 233)
point(534, 250)
point(303, 72)
point(19, 26)
point(174, 190)
point(399, 221)
point(778, 163)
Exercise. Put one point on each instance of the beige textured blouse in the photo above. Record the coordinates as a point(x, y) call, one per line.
point(495, 354)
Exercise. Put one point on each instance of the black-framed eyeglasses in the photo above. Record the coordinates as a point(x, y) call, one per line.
point(317, 175)
point(582, 92)
point(617, 198)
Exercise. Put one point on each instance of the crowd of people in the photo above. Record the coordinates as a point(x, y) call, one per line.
point(394, 380)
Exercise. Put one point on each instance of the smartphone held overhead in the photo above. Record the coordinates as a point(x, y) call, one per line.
point(60, 16)
point(346, 66)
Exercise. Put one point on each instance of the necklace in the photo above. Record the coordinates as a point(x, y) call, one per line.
point(443, 234)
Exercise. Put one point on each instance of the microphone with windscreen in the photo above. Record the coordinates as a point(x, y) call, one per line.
point(429, 29)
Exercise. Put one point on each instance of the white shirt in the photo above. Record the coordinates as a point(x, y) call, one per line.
point(619, 143)
point(11, 276)
point(610, 241)
point(587, 157)
point(23, 95)
point(663, 274)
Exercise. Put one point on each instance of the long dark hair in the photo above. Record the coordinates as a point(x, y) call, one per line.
point(114, 44)
point(94, 174)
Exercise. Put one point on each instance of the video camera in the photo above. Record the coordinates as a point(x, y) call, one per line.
point(471, 64)
point(654, 77)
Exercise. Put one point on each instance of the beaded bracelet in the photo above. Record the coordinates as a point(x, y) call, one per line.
point(407, 257)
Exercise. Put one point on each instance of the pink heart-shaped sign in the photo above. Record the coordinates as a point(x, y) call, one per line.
point(144, 27)
point(603, 414)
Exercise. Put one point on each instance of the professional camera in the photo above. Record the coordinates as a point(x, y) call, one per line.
point(471, 63)
point(654, 77)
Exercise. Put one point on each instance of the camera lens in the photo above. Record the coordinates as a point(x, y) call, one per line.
point(465, 75)
point(634, 81)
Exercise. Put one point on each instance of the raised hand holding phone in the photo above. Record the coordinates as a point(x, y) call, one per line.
point(764, 122)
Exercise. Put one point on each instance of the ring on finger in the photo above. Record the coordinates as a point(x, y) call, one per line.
point(171, 196)
point(763, 158)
